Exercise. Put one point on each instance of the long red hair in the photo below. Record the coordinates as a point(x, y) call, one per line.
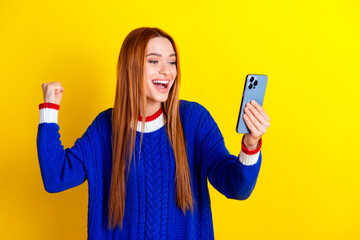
point(130, 92)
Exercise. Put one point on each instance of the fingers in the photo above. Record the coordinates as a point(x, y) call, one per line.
point(256, 113)
point(52, 92)
point(56, 86)
point(256, 119)
point(260, 109)
point(256, 128)
point(254, 131)
point(59, 89)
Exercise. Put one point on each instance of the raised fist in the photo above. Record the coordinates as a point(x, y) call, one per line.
point(52, 92)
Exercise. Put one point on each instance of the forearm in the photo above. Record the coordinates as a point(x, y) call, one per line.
point(60, 168)
point(242, 178)
point(235, 177)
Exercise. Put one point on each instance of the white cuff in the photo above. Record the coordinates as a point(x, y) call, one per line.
point(48, 115)
point(247, 159)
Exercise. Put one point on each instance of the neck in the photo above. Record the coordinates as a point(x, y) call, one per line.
point(151, 107)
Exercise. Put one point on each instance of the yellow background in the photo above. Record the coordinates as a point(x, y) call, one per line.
point(308, 186)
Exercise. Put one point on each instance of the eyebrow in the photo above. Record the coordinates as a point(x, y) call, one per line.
point(157, 54)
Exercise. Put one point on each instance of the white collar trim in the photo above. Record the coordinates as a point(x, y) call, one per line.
point(151, 126)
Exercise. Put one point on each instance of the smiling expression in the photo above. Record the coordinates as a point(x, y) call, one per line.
point(160, 70)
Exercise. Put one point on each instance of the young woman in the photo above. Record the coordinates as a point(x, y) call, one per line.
point(147, 160)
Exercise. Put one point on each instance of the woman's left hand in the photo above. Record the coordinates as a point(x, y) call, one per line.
point(257, 121)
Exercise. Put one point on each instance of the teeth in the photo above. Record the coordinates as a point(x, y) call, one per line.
point(162, 82)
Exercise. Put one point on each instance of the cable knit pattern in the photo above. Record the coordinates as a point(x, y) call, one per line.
point(152, 185)
point(151, 211)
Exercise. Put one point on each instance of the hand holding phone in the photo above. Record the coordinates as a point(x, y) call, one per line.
point(254, 89)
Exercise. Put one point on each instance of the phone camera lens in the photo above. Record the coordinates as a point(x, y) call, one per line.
point(255, 83)
point(250, 86)
point(251, 79)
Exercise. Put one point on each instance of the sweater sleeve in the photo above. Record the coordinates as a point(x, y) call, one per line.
point(233, 176)
point(61, 168)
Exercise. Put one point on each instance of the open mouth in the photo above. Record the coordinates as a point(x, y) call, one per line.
point(161, 84)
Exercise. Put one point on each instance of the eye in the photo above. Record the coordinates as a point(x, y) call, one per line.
point(153, 61)
point(173, 63)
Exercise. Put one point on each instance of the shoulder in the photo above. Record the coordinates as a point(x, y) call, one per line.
point(192, 111)
point(191, 107)
point(105, 113)
point(103, 117)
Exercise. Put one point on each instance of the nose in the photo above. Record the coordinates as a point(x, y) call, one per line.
point(164, 69)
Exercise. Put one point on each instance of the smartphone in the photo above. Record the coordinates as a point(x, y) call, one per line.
point(254, 89)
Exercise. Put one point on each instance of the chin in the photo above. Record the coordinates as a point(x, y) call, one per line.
point(163, 99)
point(157, 98)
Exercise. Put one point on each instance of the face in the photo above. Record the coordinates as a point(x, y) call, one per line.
point(160, 70)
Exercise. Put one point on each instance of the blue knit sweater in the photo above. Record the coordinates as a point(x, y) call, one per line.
point(150, 207)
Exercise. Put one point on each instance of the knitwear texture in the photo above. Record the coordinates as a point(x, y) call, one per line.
point(151, 211)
